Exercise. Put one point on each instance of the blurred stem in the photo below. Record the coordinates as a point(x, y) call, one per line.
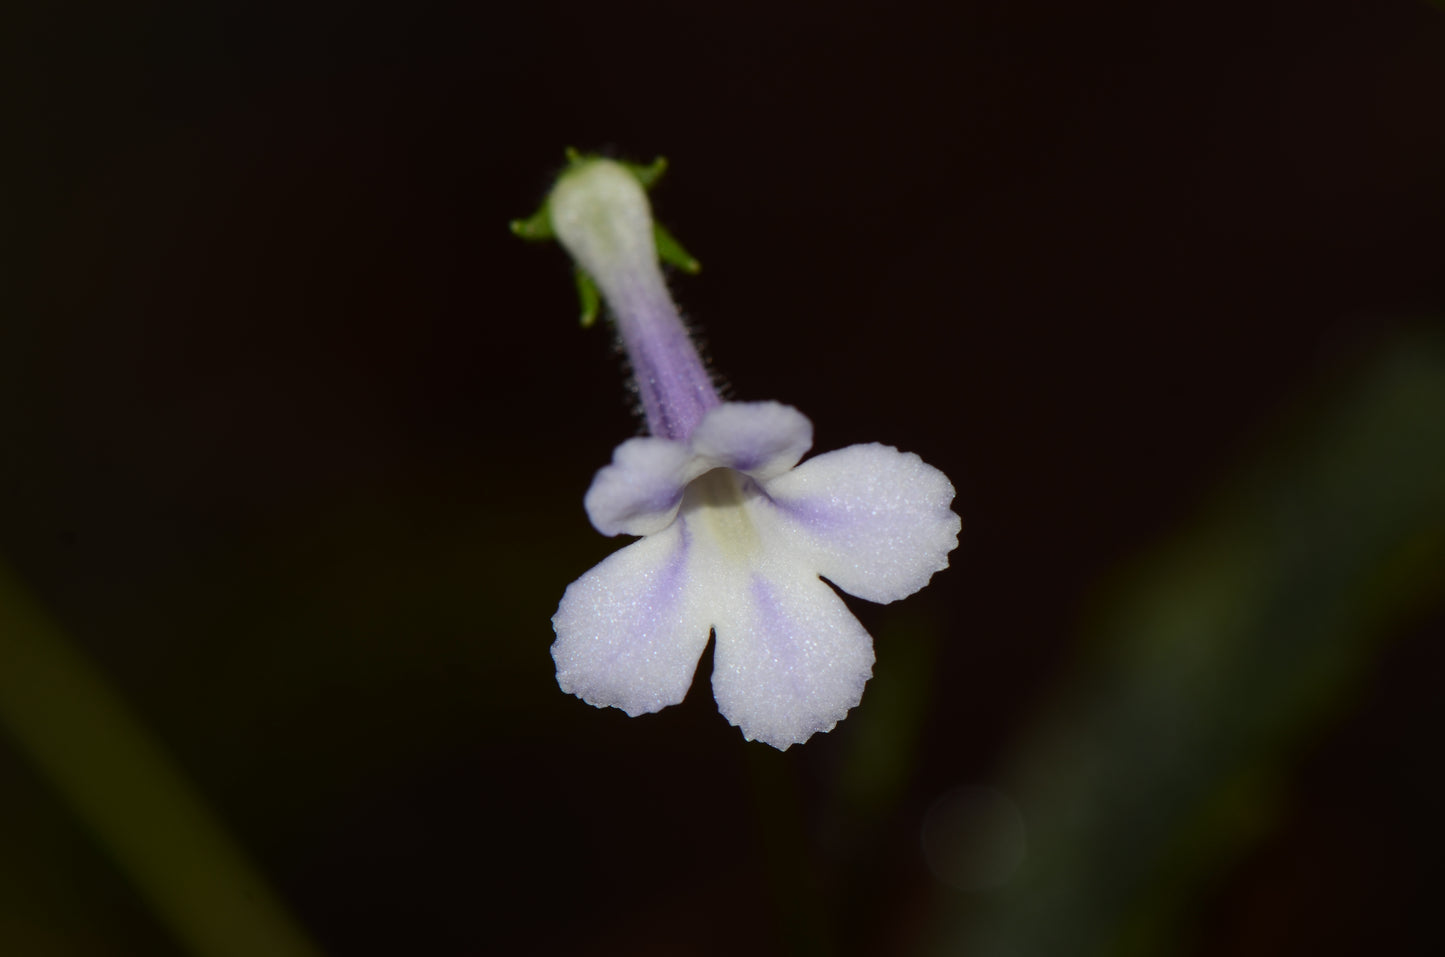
point(116, 779)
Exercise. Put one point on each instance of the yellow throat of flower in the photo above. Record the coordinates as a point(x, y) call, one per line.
point(717, 503)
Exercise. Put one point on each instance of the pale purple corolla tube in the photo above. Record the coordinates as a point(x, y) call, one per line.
point(736, 536)
point(600, 214)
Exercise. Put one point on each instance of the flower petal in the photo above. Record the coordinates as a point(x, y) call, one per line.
point(627, 633)
point(761, 439)
point(873, 520)
point(639, 493)
point(791, 659)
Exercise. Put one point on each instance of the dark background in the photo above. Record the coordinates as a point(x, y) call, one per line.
point(296, 433)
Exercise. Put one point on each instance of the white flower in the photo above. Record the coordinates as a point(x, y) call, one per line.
point(736, 535)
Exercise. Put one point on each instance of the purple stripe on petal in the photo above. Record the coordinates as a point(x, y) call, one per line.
point(775, 622)
point(817, 515)
point(749, 462)
point(793, 662)
point(625, 637)
point(874, 521)
point(664, 499)
point(658, 601)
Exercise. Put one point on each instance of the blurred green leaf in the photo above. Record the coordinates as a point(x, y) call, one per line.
point(63, 714)
point(1164, 760)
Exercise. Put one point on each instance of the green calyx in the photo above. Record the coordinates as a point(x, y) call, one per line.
point(538, 228)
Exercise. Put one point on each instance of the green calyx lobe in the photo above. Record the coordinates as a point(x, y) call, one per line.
point(538, 228)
